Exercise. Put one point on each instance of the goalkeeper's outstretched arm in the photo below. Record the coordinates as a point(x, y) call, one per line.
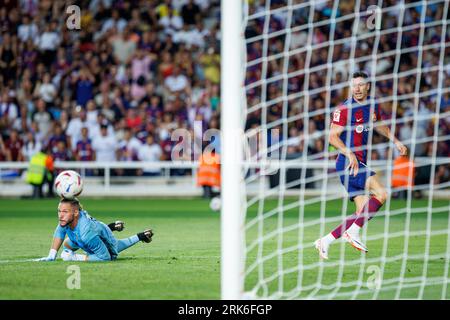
point(56, 244)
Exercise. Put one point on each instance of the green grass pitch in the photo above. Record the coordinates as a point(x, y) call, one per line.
point(183, 261)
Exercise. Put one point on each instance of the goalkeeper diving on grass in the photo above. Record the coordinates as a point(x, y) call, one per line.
point(86, 233)
point(349, 133)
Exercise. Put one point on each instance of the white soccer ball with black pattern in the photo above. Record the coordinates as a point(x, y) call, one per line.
point(215, 204)
point(68, 184)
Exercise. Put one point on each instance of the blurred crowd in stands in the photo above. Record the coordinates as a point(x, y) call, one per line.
point(136, 70)
point(114, 89)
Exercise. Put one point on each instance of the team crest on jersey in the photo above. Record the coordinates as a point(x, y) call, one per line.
point(337, 115)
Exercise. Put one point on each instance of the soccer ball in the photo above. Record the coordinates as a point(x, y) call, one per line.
point(215, 204)
point(68, 184)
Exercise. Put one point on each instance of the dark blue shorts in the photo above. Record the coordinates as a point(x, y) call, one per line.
point(355, 186)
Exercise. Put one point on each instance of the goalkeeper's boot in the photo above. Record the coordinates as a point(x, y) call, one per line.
point(146, 235)
point(355, 241)
point(322, 247)
point(117, 225)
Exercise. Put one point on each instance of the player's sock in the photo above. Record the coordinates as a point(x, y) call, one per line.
point(329, 238)
point(337, 233)
point(369, 211)
point(126, 243)
point(371, 207)
point(354, 229)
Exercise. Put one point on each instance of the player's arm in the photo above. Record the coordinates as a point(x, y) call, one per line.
point(335, 141)
point(58, 239)
point(386, 132)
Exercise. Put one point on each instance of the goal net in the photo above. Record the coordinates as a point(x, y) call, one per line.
point(298, 59)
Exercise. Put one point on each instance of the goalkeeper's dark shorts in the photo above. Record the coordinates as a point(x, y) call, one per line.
point(355, 186)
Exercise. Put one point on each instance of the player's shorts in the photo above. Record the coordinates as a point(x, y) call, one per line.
point(355, 186)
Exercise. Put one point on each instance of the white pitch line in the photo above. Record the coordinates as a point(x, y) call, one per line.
point(14, 261)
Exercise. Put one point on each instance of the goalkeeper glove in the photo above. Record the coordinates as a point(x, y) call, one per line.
point(51, 256)
point(69, 255)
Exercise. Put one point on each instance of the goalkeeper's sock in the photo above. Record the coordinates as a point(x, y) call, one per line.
point(126, 243)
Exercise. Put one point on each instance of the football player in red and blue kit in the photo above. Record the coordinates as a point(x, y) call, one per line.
point(349, 134)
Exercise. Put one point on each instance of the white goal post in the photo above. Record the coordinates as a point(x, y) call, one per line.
point(232, 93)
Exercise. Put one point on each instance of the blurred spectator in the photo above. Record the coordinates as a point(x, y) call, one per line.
point(43, 118)
point(190, 12)
point(47, 91)
point(78, 121)
point(57, 135)
point(48, 43)
point(9, 112)
point(14, 147)
point(83, 149)
point(129, 147)
point(31, 146)
point(211, 64)
point(8, 59)
point(115, 22)
point(177, 82)
point(28, 30)
point(141, 73)
point(91, 113)
point(3, 150)
point(150, 152)
point(104, 145)
point(61, 152)
point(123, 47)
point(169, 19)
point(84, 85)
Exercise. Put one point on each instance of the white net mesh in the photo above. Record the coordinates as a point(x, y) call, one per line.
point(300, 55)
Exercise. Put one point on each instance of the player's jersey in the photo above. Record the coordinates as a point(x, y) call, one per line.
point(356, 119)
point(92, 236)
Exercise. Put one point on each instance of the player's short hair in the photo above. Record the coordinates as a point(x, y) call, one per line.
point(73, 202)
point(360, 74)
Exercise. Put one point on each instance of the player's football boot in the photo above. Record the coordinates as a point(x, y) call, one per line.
point(117, 225)
point(322, 247)
point(355, 241)
point(146, 235)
